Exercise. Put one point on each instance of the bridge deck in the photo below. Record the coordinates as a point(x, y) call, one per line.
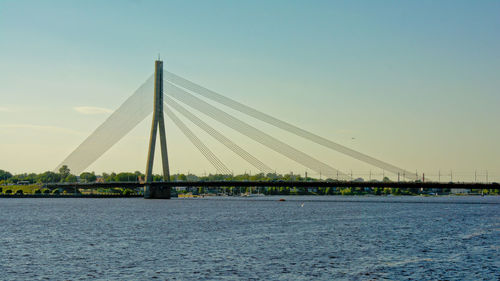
point(434, 185)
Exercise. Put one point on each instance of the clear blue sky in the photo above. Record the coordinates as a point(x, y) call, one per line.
point(416, 83)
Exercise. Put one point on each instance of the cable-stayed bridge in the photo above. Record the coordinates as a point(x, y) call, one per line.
point(173, 96)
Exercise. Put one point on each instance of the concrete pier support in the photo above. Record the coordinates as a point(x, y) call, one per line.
point(157, 192)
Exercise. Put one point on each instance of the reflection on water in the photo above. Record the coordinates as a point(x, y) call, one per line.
point(302, 238)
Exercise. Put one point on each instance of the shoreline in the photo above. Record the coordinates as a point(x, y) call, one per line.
point(84, 196)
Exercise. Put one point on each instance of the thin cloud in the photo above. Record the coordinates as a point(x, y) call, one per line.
point(5, 109)
point(40, 128)
point(91, 110)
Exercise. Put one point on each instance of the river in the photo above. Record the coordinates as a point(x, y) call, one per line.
point(258, 238)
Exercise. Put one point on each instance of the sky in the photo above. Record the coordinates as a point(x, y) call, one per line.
point(413, 83)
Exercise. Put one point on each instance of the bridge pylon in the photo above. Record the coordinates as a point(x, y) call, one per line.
point(157, 192)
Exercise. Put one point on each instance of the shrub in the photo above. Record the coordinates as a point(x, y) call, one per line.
point(127, 192)
point(346, 191)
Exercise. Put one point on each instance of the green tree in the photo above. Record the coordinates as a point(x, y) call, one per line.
point(88, 177)
point(4, 175)
point(157, 178)
point(125, 177)
point(32, 178)
point(64, 171)
point(105, 177)
point(70, 178)
point(49, 177)
point(139, 175)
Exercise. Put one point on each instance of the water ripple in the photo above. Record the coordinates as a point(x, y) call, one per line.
point(329, 238)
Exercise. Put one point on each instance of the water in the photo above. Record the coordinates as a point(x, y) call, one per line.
point(350, 238)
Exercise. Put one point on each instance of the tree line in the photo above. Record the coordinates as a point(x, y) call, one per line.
point(64, 175)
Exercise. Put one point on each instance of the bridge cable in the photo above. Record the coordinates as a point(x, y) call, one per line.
point(219, 166)
point(191, 86)
point(250, 131)
point(281, 148)
point(271, 143)
point(218, 136)
point(130, 113)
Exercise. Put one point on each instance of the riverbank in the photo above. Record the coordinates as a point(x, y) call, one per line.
point(205, 196)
